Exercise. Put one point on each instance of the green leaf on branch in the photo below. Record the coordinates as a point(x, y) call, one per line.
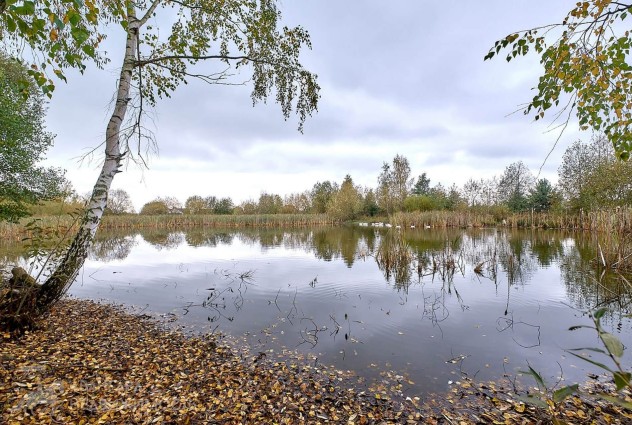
point(622, 379)
point(589, 360)
point(536, 376)
point(600, 313)
point(533, 401)
point(11, 25)
point(565, 392)
point(80, 35)
point(612, 343)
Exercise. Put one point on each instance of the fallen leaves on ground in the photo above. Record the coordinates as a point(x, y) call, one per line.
point(97, 364)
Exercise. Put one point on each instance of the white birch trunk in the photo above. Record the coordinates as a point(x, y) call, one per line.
point(65, 273)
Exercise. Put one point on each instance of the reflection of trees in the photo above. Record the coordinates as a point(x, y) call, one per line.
point(202, 237)
point(271, 238)
point(492, 253)
point(394, 257)
point(346, 243)
point(163, 239)
point(108, 248)
point(12, 254)
point(514, 257)
point(546, 247)
point(587, 287)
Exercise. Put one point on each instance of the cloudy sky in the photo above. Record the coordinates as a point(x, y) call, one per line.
point(404, 77)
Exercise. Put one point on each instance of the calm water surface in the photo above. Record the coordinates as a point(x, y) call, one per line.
point(429, 315)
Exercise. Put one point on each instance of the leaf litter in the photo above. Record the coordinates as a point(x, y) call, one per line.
point(91, 363)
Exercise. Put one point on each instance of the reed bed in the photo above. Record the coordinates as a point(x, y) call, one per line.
point(443, 219)
point(603, 220)
point(10, 231)
point(13, 232)
point(610, 229)
point(176, 221)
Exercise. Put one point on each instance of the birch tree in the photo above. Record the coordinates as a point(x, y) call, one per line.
point(52, 36)
point(238, 35)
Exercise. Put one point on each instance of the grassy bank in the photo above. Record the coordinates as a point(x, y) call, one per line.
point(75, 369)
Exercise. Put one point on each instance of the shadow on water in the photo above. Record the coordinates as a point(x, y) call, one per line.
point(413, 300)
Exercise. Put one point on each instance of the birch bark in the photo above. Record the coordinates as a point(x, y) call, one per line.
point(67, 270)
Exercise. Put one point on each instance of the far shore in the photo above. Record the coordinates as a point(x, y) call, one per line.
point(606, 220)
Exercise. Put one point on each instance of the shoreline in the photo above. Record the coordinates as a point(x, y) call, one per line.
point(100, 363)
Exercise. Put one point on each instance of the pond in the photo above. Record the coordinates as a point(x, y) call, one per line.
point(429, 305)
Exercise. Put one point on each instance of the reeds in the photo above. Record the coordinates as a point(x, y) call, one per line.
point(394, 257)
point(443, 219)
point(10, 231)
point(603, 220)
point(13, 232)
point(231, 221)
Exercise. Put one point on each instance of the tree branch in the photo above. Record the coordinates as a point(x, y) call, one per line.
point(156, 61)
point(215, 78)
point(183, 4)
point(149, 12)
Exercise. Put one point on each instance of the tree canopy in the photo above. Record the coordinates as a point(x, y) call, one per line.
point(58, 34)
point(119, 202)
point(586, 69)
point(514, 186)
point(23, 143)
point(166, 44)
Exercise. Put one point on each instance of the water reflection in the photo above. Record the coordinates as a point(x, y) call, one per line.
point(598, 288)
point(405, 258)
point(112, 247)
point(163, 238)
point(356, 296)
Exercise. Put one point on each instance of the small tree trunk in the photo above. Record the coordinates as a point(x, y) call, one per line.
point(65, 273)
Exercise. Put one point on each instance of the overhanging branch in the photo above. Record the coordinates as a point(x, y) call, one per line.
point(158, 60)
point(216, 78)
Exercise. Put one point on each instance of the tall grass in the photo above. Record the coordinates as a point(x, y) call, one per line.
point(610, 231)
point(444, 219)
point(606, 220)
point(12, 232)
point(9, 231)
point(602, 220)
point(231, 221)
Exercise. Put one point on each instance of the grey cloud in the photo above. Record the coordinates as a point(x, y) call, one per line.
point(421, 61)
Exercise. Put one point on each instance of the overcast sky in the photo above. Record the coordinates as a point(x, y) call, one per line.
point(404, 77)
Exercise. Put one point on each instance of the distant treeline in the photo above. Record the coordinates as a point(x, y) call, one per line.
point(590, 178)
